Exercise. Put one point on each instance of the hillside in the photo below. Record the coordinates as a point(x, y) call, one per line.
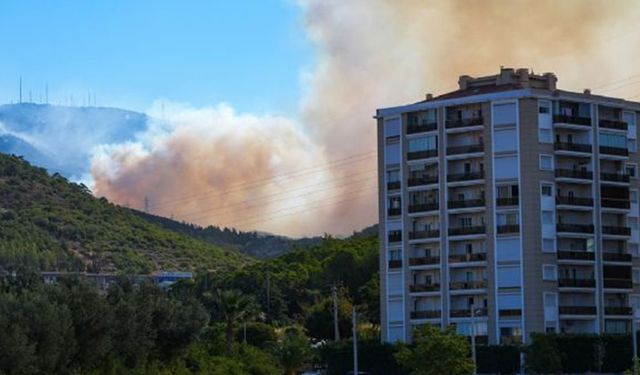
point(60, 225)
point(255, 244)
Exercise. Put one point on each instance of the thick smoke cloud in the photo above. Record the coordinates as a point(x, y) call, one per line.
point(371, 53)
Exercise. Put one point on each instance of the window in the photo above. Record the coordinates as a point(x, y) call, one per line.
point(636, 275)
point(510, 218)
point(546, 190)
point(547, 217)
point(633, 196)
point(505, 140)
point(546, 162)
point(504, 114)
point(543, 108)
point(633, 249)
point(393, 176)
point(392, 152)
point(632, 145)
point(395, 254)
point(613, 140)
point(630, 169)
point(634, 301)
point(392, 127)
point(423, 143)
point(506, 167)
point(550, 300)
point(549, 245)
point(544, 136)
point(394, 202)
point(549, 272)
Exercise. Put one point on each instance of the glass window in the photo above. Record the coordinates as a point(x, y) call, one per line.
point(630, 169)
point(613, 140)
point(549, 272)
point(395, 254)
point(636, 275)
point(393, 176)
point(548, 245)
point(546, 162)
point(547, 217)
point(546, 190)
point(632, 145)
point(423, 143)
point(633, 196)
point(544, 136)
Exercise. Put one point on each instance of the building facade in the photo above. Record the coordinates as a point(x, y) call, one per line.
point(511, 204)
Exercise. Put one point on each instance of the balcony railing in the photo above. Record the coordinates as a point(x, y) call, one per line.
point(423, 207)
point(472, 257)
point(418, 288)
point(616, 230)
point(616, 257)
point(577, 310)
point(508, 228)
point(395, 237)
point(511, 201)
point(466, 313)
point(424, 234)
point(457, 285)
point(573, 120)
point(393, 185)
point(571, 173)
point(463, 123)
point(424, 154)
point(570, 146)
point(395, 263)
point(425, 314)
point(617, 310)
point(479, 175)
point(618, 283)
point(615, 203)
point(618, 151)
point(576, 255)
point(574, 201)
point(506, 313)
point(466, 203)
point(575, 228)
point(394, 211)
point(422, 261)
point(577, 283)
point(614, 177)
point(467, 230)
point(468, 149)
point(422, 180)
point(421, 128)
point(613, 124)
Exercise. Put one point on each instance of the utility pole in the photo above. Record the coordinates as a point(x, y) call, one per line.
point(355, 342)
point(473, 337)
point(334, 295)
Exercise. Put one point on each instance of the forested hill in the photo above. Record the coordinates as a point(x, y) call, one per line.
point(56, 224)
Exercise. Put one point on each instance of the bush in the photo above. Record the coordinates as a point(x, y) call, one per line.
point(498, 359)
point(258, 334)
point(374, 357)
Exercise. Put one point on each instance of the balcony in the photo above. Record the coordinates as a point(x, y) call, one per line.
point(574, 173)
point(623, 204)
point(466, 203)
point(618, 283)
point(468, 149)
point(467, 176)
point(462, 231)
point(616, 257)
point(570, 146)
point(425, 314)
point(510, 313)
point(511, 201)
point(614, 177)
point(573, 120)
point(417, 235)
point(424, 154)
point(464, 285)
point(575, 228)
point(395, 263)
point(577, 310)
point(424, 261)
point(421, 128)
point(613, 124)
point(576, 255)
point(466, 313)
point(394, 211)
point(617, 151)
point(393, 185)
point(463, 123)
point(417, 180)
point(574, 201)
point(616, 230)
point(422, 288)
point(577, 283)
point(423, 207)
point(472, 257)
point(618, 310)
point(395, 236)
point(508, 228)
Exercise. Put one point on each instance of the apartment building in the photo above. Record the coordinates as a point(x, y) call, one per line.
point(512, 205)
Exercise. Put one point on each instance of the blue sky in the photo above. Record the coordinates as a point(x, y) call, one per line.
point(248, 53)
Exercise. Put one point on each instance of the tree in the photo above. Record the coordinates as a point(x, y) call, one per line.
point(232, 306)
point(542, 355)
point(319, 320)
point(294, 350)
point(436, 352)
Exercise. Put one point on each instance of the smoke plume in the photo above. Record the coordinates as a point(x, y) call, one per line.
point(214, 166)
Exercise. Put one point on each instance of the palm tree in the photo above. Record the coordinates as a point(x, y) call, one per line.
point(233, 306)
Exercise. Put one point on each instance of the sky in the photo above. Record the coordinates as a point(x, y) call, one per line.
point(249, 53)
